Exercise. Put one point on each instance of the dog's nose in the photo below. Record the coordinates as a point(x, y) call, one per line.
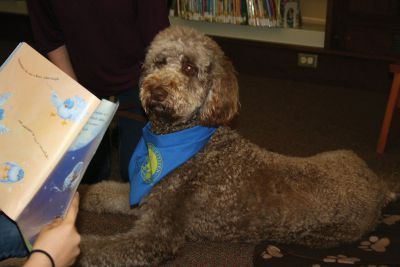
point(158, 94)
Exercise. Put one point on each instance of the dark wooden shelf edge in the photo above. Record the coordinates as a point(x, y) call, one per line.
point(308, 49)
point(336, 68)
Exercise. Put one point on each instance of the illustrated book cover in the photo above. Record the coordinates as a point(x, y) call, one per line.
point(50, 128)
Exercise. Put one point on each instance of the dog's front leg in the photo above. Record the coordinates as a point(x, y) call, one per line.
point(107, 196)
point(133, 248)
point(156, 236)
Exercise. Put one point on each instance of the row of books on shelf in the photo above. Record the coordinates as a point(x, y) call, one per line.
point(267, 13)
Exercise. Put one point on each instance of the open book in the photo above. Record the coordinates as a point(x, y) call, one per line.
point(50, 128)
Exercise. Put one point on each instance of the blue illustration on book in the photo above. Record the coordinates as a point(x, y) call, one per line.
point(71, 182)
point(11, 172)
point(3, 99)
point(69, 109)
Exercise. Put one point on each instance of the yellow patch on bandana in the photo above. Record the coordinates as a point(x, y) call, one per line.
point(152, 166)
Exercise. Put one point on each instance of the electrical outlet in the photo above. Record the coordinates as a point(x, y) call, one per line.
point(307, 60)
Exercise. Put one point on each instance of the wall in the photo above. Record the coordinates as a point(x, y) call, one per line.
point(313, 11)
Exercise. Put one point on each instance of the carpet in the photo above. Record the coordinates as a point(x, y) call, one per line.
point(378, 248)
point(292, 118)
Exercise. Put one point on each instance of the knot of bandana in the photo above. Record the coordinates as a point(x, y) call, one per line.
point(156, 156)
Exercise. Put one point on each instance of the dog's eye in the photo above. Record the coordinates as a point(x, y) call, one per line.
point(159, 62)
point(189, 69)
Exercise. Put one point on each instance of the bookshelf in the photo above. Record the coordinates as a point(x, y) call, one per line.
point(13, 7)
point(366, 27)
point(311, 33)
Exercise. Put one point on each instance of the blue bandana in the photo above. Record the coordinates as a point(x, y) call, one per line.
point(156, 156)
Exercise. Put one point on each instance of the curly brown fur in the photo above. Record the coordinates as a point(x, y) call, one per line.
point(232, 190)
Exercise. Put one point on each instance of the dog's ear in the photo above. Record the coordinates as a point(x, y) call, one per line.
point(222, 102)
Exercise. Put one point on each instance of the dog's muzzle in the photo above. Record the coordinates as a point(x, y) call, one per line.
point(158, 94)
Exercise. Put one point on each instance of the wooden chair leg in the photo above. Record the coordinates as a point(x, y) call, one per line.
point(393, 101)
point(398, 102)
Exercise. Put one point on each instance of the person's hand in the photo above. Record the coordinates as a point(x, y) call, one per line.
point(60, 239)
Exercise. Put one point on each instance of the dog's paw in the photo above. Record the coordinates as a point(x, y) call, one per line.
point(107, 196)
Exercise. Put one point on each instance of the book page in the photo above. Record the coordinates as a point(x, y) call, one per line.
point(55, 195)
point(42, 110)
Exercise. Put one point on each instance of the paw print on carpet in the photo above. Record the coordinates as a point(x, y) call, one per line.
point(374, 243)
point(271, 252)
point(341, 259)
point(391, 219)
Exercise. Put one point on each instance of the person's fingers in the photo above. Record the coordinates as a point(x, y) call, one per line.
point(73, 209)
point(76, 253)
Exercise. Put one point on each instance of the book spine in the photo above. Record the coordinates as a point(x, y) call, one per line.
point(268, 13)
point(251, 12)
point(273, 9)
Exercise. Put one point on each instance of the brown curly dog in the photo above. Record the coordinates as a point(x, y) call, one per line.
point(232, 190)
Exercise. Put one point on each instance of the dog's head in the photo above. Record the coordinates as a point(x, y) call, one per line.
point(186, 77)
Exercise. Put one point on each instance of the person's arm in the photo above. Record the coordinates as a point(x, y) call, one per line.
point(60, 58)
point(59, 239)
